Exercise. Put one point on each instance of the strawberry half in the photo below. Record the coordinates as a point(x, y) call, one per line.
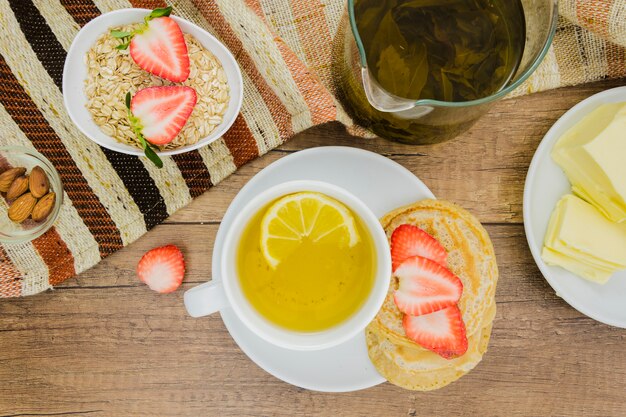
point(158, 46)
point(408, 240)
point(162, 268)
point(443, 332)
point(425, 287)
point(159, 113)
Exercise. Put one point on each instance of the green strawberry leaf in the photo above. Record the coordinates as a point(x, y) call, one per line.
point(150, 154)
point(164, 11)
point(136, 126)
point(123, 36)
point(126, 37)
point(120, 34)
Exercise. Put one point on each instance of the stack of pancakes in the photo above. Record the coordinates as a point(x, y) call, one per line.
point(471, 257)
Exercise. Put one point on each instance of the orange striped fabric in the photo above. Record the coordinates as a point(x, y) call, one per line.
point(594, 15)
point(56, 255)
point(285, 51)
point(319, 100)
point(10, 277)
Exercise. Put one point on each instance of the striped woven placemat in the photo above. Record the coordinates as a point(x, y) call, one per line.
point(284, 48)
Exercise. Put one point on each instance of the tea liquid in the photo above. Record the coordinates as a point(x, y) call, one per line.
point(316, 287)
point(449, 50)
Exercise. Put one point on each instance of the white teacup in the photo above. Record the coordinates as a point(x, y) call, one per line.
point(226, 291)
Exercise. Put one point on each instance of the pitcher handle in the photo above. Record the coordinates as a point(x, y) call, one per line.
point(205, 299)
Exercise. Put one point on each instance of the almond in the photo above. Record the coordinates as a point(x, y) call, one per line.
point(43, 207)
point(19, 187)
point(7, 177)
point(22, 207)
point(38, 182)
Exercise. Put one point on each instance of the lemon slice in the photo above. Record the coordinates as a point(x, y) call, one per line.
point(306, 215)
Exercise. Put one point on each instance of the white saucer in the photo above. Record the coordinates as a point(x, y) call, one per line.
point(382, 185)
point(545, 185)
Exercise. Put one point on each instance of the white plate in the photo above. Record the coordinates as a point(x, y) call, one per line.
point(382, 185)
point(545, 185)
point(75, 73)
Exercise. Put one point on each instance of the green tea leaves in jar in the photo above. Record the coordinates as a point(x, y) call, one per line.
point(449, 50)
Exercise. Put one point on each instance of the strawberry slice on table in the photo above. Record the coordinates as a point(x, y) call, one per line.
point(158, 46)
point(425, 287)
point(443, 332)
point(408, 240)
point(162, 269)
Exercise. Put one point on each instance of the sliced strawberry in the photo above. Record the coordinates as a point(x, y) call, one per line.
point(158, 46)
point(408, 240)
point(425, 287)
point(162, 268)
point(159, 113)
point(161, 50)
point(443, 332)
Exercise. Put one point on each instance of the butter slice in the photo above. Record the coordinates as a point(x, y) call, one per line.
point(580, 239)
point(596, 275)
point(593, 156)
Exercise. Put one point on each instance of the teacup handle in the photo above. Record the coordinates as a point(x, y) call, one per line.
point(205, 299)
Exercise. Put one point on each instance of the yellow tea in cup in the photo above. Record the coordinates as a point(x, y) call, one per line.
point(306, 262)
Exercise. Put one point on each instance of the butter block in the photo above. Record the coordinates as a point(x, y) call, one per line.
point(592, 154)
point(580, 239)
point(600, 276)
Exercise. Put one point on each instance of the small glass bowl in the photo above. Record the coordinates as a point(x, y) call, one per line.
point(18, 156)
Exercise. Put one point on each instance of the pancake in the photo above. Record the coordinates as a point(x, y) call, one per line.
point(414, 358)
point(401, 365)
point(471, 257)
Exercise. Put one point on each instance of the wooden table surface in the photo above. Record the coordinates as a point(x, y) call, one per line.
point(103, 344)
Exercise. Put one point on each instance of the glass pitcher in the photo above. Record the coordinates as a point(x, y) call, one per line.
point(426, 121)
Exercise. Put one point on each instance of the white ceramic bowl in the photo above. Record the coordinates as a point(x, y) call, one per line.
point(545, 185)
point(75, 73)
